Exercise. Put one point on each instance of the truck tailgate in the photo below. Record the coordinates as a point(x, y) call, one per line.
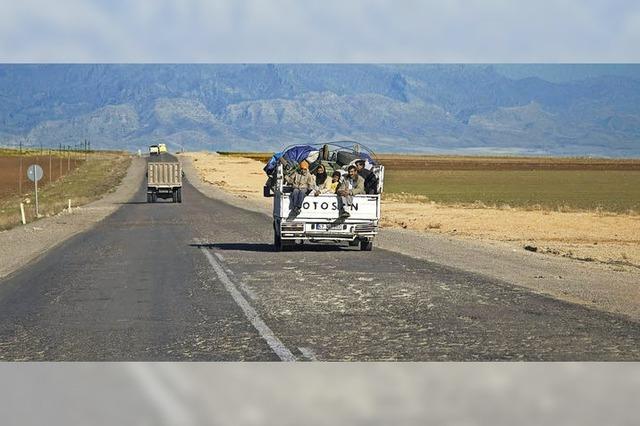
point(325, 207)
point(164, 174)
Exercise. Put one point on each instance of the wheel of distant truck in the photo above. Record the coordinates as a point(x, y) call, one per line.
point(154, 197)
point(174, 196)
point(179, 196)
point(366, 245)
point(149, 198)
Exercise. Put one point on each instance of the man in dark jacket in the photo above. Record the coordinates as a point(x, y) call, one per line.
point(370, 179)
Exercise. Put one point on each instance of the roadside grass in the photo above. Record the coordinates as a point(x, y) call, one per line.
point(99, 174)
point(27, 152)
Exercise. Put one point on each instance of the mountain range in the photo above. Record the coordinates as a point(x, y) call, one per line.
point(474, 109)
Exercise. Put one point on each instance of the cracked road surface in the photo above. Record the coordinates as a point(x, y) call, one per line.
point(199, 281)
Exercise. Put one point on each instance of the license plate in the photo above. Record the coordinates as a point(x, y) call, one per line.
point(328, 227)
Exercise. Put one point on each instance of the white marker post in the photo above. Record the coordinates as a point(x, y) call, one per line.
point(24, 219)
point(35, 173)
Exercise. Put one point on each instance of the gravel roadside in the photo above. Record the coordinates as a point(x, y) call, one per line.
point(23, 244)
point(604, 287)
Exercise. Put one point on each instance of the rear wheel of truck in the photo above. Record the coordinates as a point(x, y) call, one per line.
point(366, 245)
point(149, 198)
point(154, 197)
point(277, 242)
point(174, 196)
point(179, 196)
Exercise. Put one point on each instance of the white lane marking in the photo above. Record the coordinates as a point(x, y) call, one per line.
point(242, 285)
point(171, 408)
point(252, 315)
point(309, 354)
point(247, 291)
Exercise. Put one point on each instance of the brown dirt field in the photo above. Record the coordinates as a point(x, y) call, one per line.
point(87, 181)
point(417, 162)
point(603, 237)
point(10, 175)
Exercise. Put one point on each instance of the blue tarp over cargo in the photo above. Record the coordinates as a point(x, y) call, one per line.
point(297, 153)
point(294, 154)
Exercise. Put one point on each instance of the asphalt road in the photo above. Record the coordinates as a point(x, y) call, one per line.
point(199, 281)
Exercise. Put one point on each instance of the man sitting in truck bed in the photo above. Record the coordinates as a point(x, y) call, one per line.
point(320, 173)
point(303, 182)
point(352, 185)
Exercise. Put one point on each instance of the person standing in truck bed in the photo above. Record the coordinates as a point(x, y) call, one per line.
point(352, 185)
point(303, 182)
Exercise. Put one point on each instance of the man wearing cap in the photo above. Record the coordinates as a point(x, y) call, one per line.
point(303, 182)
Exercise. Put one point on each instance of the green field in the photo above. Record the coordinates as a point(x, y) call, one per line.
point(606, 190)
point(549, 183)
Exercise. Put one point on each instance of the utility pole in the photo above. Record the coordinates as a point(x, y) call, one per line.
point(50, 173)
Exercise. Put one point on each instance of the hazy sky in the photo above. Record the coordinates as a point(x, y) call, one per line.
point(320, 31)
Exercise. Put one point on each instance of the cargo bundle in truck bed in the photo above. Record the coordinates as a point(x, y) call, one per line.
point(164, 180)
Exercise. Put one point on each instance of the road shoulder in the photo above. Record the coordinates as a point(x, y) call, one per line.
point(595, 285)
point(23, 244)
